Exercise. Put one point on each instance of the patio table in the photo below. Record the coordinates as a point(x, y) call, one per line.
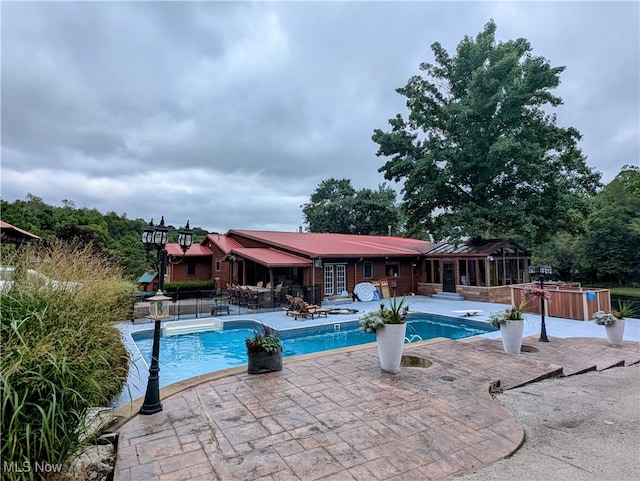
point(263, 294)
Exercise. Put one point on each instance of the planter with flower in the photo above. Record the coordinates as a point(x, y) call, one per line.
point(264, 351)
point(510, 321)
point(614, 321)
point(389, 326)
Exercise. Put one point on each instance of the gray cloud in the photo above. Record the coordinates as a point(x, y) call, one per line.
point(231, 113)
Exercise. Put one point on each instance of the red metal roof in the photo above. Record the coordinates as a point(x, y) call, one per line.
point(271, 257)
point(338, 245)
point(174, 249)
point(226, 244)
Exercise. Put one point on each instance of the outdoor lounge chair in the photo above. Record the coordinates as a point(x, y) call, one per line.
point(308, 310)
point(292, 307)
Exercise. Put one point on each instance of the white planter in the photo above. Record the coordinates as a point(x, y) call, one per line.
point(615, 332)
point(511, 332)
point(390, 346)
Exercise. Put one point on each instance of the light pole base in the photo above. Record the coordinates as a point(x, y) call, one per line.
point(150, 409)
point(543, 334)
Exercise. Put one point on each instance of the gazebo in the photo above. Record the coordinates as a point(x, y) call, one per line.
point(478, 264)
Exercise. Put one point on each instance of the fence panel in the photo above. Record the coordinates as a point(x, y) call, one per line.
point(567, 301)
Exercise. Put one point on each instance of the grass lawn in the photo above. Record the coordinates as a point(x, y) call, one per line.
point(631, 292)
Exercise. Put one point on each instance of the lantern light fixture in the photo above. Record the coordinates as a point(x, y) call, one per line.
point(156, 237)
point(541, 272)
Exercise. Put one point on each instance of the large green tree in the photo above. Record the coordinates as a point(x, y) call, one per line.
point(610, 246)
point(335, 206)
point(479, 154)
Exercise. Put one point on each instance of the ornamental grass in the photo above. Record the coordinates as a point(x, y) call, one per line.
point(61, 353)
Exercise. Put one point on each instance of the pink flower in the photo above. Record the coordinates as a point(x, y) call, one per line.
point(534, 293)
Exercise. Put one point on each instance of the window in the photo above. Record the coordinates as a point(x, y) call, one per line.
point(467, 272)
point(391, 270)
point(367, 269)
point(462, 271)
point(328, 280)
point(432, 271)
point(218, 266)
point(473, 281)
point(341, 278)
point(191, 268)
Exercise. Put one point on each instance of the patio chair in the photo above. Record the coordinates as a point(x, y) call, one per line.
point(233, 295)
point(243, 297)
point(277, 293)
point(253, 303)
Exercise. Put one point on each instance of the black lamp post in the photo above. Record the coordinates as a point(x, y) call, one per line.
point(156, 237)
point(541, 271)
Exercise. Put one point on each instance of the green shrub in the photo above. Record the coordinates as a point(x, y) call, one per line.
point(188, 286)
point(61, 353)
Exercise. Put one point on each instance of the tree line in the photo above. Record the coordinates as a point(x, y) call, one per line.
point(603, 248)
point(111, 235)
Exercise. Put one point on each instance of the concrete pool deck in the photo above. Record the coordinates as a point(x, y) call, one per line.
point(335, 415)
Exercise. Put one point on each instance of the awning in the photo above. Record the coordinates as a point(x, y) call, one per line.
point(271, 257)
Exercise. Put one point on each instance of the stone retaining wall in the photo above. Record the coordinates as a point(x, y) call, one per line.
point(499, 294)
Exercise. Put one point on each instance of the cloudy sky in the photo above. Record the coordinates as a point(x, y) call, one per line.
point(231, 113)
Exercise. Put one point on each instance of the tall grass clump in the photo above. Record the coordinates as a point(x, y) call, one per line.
point(61, 353)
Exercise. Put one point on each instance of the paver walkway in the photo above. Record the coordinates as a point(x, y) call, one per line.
point(336, 416)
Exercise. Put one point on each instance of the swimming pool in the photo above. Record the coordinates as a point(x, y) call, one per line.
point(189, 355)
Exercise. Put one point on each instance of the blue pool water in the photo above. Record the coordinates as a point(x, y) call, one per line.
point(189, 355)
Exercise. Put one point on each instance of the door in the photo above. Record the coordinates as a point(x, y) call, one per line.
point(448, 276)
point(335, 279)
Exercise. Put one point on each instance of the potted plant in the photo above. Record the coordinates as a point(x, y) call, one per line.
point(264, 350)
point(389, 326)
point(510, 321)
point(625, 309)
point(614, 321)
